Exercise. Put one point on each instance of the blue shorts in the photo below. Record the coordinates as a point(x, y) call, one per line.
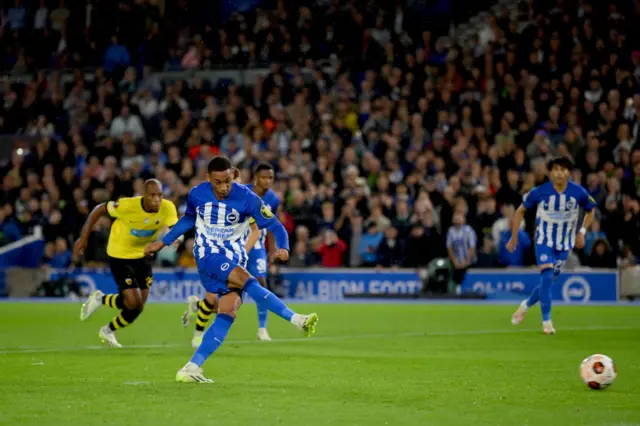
point(546, 254)
point(214, 273)
point(257, 264)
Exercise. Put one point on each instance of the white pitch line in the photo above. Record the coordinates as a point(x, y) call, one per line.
point(28, 350)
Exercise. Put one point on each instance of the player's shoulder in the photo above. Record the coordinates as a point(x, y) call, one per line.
point(574, 188)
point(129, 203)
point(241, 191)
point(200, 191)
point(272, 194)
point(542, 190)
point(167, 206)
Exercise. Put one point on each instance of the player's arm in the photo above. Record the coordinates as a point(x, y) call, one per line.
point(589, 205)
point(112, 208)
point(186, 223)
point(170, 221)
point(266, 219)
point(269, 243)
point(254, 236)
point(517, 220)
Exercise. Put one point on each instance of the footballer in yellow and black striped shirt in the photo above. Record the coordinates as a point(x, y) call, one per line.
point(137, 223)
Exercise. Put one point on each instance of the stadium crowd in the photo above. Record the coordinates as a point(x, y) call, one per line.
point(413, 148)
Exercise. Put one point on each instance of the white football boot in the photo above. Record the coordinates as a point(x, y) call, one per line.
point(91, 305)
point(191, 312)
point(263, 335)
point(519, 314)
point(547, 327)
point(305, 323)
point(191, 373)
point(109, 337)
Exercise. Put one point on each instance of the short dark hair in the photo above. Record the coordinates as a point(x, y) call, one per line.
point(563, 161)
point(262, 166)
point(150, 182)
point(219, 164)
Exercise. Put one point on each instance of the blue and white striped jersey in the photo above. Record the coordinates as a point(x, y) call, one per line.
point(222, 225)
point(558, 214)
point(460, 240)
point(271, 200)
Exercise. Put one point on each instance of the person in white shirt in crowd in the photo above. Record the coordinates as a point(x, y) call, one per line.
point(126, 122)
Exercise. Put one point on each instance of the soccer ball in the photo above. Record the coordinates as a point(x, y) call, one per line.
point(598, 371)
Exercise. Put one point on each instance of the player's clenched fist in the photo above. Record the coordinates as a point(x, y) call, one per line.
point(512, 244)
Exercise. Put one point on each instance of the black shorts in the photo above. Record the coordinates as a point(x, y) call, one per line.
point(131, 273)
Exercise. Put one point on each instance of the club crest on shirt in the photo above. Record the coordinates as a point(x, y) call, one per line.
point(146, 221)
point(543, 258)
point(233, 217)
point(571, 204)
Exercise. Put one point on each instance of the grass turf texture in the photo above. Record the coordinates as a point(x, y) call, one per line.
point(378, 364)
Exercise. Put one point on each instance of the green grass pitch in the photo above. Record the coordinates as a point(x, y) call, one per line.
point(369, 364)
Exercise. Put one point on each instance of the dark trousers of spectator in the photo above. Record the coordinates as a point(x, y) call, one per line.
point(459, 274)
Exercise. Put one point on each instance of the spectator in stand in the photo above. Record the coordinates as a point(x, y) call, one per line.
point(369, 245)
point(461, 245)
point(404, 135)
point(421, 246)
point(594, 233)
point(300, 257)
point(331, 250)
point(487, 256)
point(390, 252)
point(601, 256)
point(9, 229)
point(57, 254)
point(116, 57)
point(127, 123)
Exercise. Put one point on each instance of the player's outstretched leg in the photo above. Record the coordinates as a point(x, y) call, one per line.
point(211, 341)
point(546, 281)
point(132, 306)
point(268, 300)
point(263, 313)
point(518, 315)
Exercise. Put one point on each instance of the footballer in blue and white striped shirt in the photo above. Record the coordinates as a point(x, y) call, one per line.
point(221, 211)
point(558, 210)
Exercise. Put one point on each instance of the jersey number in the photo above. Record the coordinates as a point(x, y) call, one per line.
point(262, 265)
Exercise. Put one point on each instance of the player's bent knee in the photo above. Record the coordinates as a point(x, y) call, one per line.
point(238, 277)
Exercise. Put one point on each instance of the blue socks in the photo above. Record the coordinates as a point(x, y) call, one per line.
point(213, 338)
point(215, 335)
point(534, 298)
point(262, 316)
point(546, 281)
point(267, 300)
